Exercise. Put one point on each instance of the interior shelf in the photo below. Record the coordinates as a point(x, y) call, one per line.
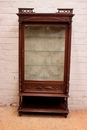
point(45, 65)
point(44, 51)
point(39, 108)
point(44, 37)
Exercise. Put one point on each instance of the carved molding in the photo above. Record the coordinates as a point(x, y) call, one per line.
point(65, 13)
point(44, 87)
point(40, 18)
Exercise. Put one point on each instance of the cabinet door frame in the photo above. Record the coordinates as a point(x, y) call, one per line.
point(48, 84)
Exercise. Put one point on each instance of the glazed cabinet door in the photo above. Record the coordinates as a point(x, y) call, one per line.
point(44, 58)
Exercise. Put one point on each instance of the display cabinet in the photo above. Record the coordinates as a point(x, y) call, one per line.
point(44, 61)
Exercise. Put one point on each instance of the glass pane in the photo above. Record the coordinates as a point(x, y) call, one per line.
point(44, 52)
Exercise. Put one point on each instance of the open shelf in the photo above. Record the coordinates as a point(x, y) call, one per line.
point(43, 104)
point(44, 94)
point(47, 109)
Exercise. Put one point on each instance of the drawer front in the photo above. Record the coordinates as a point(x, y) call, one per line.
point(43, 87)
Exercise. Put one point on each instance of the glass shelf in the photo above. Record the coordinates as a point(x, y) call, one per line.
point(44, 65)
point(53, 37)
point(42, 51)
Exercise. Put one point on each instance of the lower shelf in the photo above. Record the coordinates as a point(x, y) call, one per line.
point(46, 109)
point(43, 105)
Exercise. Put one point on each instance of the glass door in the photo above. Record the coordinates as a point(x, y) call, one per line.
point(44, 50)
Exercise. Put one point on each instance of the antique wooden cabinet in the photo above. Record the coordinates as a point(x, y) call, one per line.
point(44, 61)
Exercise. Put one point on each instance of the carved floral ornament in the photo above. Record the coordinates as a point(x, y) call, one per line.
point(44, 87)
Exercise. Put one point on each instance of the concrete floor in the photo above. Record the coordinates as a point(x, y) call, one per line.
point(9, 120)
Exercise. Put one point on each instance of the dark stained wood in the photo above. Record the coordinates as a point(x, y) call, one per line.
point(43, 108)
point(43, 104)
point(55, 92)
point(43, 94)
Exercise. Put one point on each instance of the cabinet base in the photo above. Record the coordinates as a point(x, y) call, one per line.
point(43, 105)
point(36, 113)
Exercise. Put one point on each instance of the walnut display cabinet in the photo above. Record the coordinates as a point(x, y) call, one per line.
point(44, 61)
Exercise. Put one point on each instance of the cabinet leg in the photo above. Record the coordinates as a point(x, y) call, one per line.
point(65, 115)
point(20, 114)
